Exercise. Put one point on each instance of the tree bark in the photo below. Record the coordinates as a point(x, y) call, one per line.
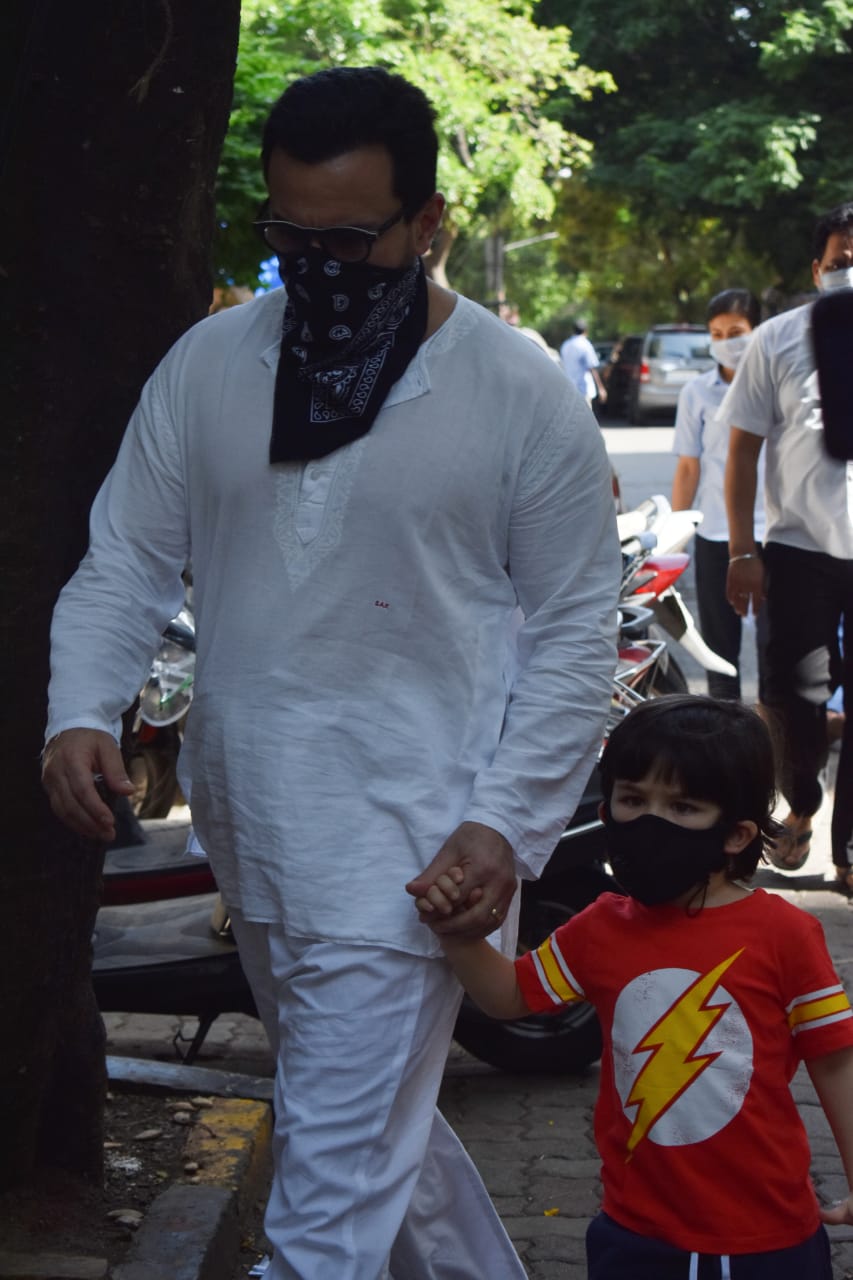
point(116, 119)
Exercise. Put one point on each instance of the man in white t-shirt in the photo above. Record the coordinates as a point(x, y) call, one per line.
point(580, 364)
point(375, 477)
point(806, 567)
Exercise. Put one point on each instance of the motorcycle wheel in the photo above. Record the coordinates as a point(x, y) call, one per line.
point(541, 1044)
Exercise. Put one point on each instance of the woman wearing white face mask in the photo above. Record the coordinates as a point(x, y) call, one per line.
point(701, 442)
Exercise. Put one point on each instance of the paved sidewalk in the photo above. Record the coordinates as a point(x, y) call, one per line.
point(531, 1137)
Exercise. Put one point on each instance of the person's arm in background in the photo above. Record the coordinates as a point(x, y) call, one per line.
point(687, 443)
point(751, 400)
point(685, 482)
point(745, 580)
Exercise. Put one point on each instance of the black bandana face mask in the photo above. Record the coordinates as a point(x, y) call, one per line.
point(656, 861)
point(350, 330)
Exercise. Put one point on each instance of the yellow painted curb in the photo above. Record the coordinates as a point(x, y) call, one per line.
point(229, 1141)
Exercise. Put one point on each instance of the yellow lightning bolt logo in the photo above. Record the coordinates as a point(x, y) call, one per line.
point(674, 1063)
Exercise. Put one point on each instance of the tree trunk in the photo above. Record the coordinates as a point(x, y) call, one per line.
point(116, 122)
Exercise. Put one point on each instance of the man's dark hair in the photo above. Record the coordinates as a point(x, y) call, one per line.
point(736, 302)
point(838, 221)
point(717, 751)
point(339, 109)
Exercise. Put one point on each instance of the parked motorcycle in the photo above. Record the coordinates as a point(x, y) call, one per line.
point(653, 538)
point(160, 716)
point(162, 944)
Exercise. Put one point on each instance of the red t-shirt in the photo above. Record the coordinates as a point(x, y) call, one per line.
point(704, 1018)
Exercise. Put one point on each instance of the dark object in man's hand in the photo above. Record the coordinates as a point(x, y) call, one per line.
point(109, 797)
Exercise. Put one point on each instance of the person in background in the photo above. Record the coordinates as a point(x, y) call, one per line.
point(710, 993)
point(806, 565)
point(510, 313)
point(701, 441)
point(580, 365)
point(378, 482)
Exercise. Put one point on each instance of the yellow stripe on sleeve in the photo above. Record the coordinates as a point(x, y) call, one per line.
point(554, 974)
point(811, 1010)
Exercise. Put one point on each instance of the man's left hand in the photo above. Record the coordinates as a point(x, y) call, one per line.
point(488, 884)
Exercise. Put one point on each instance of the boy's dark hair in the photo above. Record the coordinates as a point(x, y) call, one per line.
point(838, 220)
point(738, 302)
point(337, 110)
point(718, 751)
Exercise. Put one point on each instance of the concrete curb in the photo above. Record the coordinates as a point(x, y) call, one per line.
point(192, 1230)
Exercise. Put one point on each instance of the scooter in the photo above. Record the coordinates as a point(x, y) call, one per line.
point(653, 538)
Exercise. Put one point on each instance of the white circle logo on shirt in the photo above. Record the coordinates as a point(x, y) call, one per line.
point(682, 1055)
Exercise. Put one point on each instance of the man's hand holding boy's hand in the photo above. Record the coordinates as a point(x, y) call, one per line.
point(484, 861)
point(442, 897)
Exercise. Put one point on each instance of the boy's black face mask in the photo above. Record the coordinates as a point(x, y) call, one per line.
point(656, 861)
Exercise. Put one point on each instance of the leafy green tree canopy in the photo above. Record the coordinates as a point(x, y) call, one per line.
point(487, 67)
point(735, 112)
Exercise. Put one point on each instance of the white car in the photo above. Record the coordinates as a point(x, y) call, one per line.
point(671, 355)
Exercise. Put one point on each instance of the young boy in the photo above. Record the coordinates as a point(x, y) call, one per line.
point(709, 994)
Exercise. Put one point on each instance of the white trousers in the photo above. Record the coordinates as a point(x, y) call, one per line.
point(369, 1180)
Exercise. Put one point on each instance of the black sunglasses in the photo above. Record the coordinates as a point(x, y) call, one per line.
point(346, 244)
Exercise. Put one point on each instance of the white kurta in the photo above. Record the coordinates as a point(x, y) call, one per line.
point(355, 698)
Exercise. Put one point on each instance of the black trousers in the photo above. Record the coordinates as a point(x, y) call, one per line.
point(808, 595)
point(722, 629)
point(615, 1253)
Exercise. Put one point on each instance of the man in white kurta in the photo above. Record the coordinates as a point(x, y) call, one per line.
point(363, 695)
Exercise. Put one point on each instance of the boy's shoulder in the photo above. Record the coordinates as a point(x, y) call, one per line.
point(761, 909)
point(779, 909)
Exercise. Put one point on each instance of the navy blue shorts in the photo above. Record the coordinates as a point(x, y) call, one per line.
point(615, 1253)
